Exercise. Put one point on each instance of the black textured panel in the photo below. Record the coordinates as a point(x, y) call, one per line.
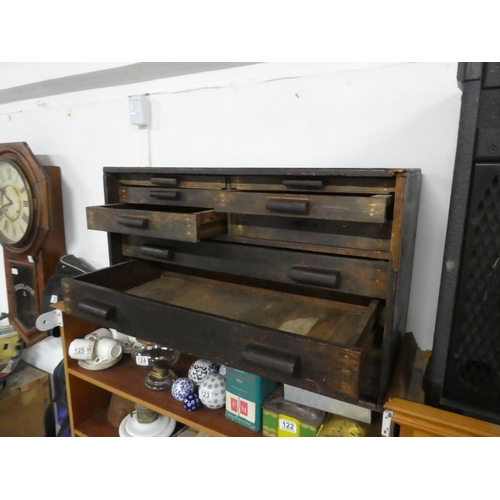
point(492, 74)
point(473, 367)
point(489, 109)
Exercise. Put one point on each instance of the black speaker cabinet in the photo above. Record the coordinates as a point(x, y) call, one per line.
point(463, 374)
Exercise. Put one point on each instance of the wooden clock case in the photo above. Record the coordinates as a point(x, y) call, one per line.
point(42, 248)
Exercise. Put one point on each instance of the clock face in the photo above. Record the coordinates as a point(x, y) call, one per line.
point(16, 204)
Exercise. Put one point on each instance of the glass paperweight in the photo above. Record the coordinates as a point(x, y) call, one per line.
point(161, 377)
point(148, 355)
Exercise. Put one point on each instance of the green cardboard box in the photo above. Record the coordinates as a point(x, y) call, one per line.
point(244, 395)
point(282, 418)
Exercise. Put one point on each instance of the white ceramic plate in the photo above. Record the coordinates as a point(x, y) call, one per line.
point(90, 365)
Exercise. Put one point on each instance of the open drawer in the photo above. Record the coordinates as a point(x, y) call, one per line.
point(175, 223)
point(309, 342)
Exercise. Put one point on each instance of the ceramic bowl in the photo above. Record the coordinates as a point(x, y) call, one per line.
point(136, 429)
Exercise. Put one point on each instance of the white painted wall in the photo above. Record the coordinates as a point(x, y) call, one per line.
point(275, 114)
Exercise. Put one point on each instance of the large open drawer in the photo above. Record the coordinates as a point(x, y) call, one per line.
point(309, 342)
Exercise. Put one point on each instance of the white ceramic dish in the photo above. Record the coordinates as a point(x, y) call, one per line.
point(90, 365)
point(165, 432)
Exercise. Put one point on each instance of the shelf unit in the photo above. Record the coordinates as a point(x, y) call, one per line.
point(89, 392)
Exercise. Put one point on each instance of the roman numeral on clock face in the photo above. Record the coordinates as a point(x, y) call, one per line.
point(23, 190)
point(6, 225)
point(26, 204)
point(26, 218)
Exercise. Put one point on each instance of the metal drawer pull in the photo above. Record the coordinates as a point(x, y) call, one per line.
point(163, 181)
point(95, 308)
point(127, 220)
point(288, 206)
point(157, 252)
point(164, 195)
point(315, 277)
point(303, 183)
point(271, 359)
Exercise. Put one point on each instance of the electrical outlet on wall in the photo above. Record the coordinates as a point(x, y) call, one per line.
point(139, 110)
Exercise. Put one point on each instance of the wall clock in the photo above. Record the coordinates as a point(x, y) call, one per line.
point(31, 233)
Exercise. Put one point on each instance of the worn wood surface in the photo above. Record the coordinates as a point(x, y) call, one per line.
point(345, 208)
point(406, 206)
point(349, 233)
point(324, 367)
point(179, 181)
point(360, 277)
point(351, 185)
point(23, 402)
point(288, 172)
point(326, 320)
point(177, 223)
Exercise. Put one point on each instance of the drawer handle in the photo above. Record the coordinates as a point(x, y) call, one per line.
point(164, 181)
point(315, 277)
point(164, 195)
point(271, 359)
point(303, 183)
point(95, 308)
point(157, 252)
point(127, 220)
point(288, 206)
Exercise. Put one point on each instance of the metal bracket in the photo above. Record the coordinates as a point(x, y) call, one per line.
point(387, 425)
point(49, 320)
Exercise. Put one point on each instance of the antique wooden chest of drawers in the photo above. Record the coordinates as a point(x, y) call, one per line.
point(299, 275)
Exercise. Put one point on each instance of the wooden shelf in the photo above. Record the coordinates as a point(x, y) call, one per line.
point(406, 401)
point(97, 426)
point(126, 379)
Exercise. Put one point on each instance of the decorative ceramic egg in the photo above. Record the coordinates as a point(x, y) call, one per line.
point(200, 369)
point(212, 391)
point(222, 370)
point(182, 387)
point(192, 402)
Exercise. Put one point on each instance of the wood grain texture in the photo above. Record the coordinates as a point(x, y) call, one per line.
point(310, 276)
point(346, 208)
point(23, 402)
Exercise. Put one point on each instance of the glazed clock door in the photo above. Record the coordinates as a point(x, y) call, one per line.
point(24, 289)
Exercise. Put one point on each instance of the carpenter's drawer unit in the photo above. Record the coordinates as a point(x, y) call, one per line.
point(301, 276)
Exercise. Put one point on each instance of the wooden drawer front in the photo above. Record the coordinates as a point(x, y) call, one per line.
point(220, 322)
point(176, 223)
point(350, 276)
point(314, 184)
point(360, 239)
point(180, 181)
point(344, 208)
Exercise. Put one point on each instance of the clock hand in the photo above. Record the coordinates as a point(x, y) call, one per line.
point(6, 205)
point(2, 190)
